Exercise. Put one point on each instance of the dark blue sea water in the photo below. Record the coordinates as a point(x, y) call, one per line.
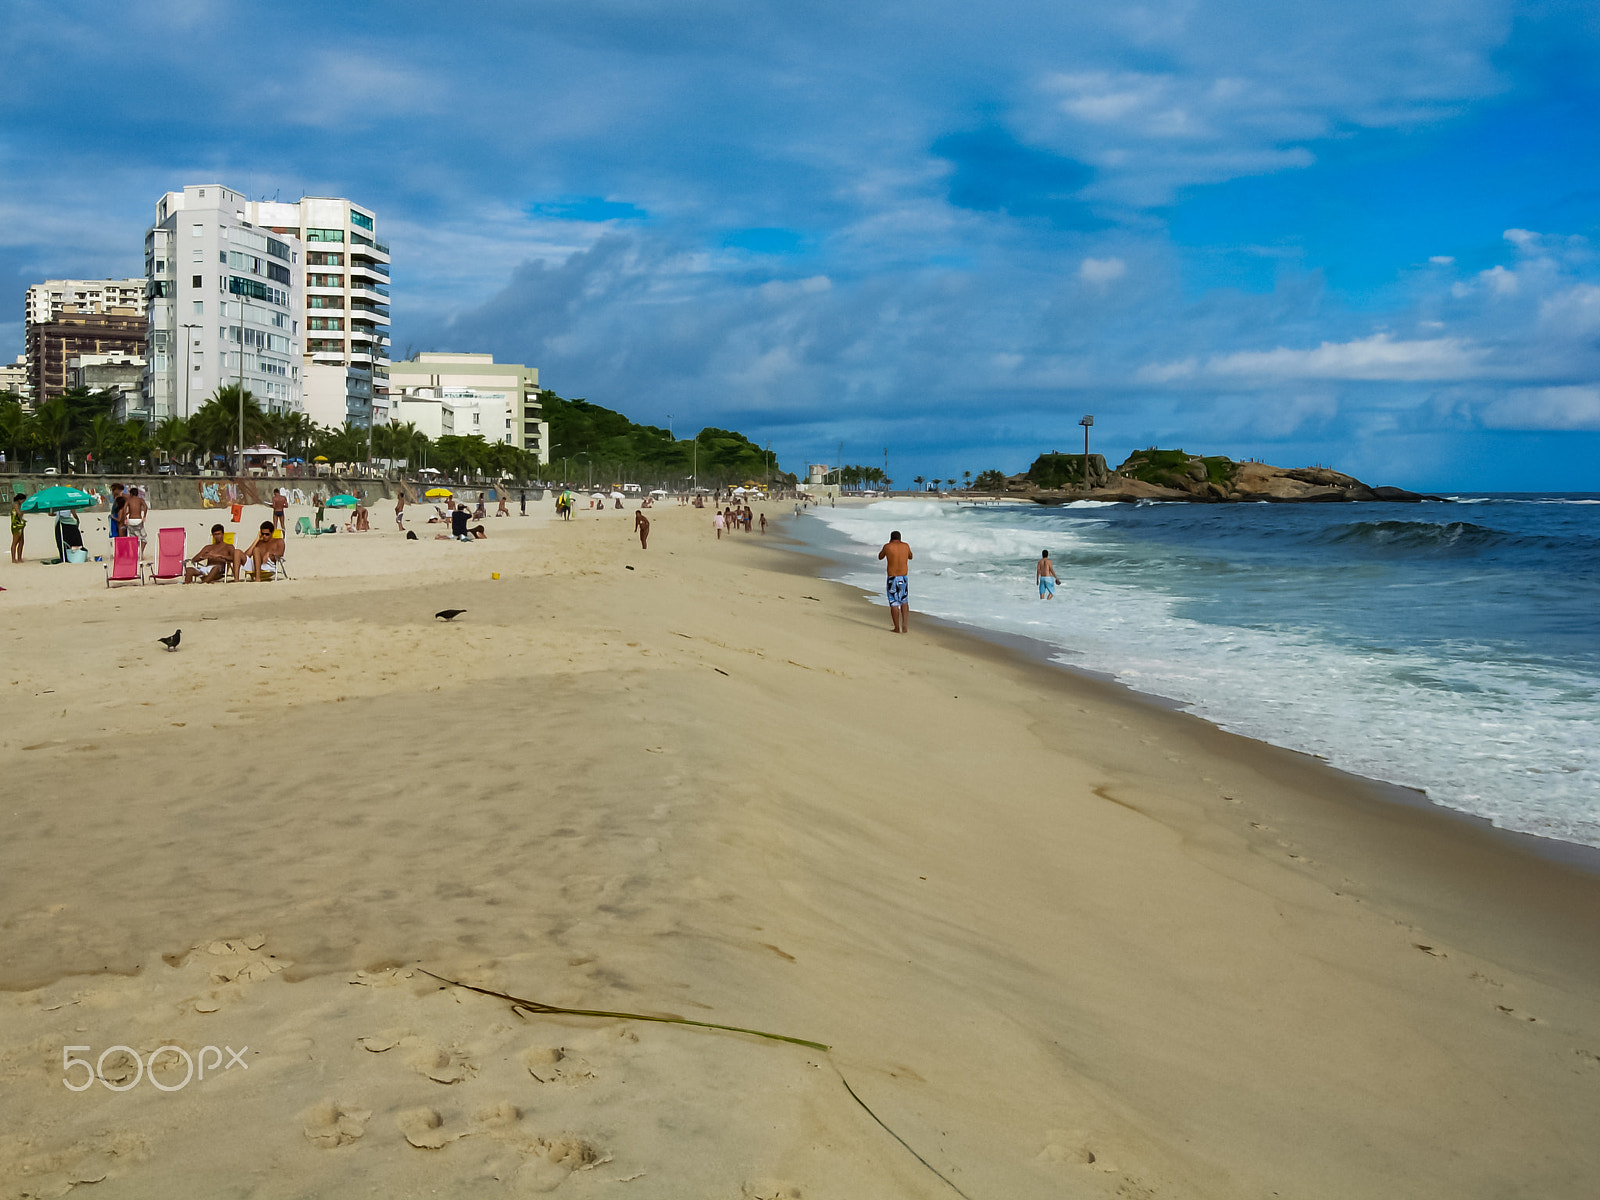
point(1449, 647)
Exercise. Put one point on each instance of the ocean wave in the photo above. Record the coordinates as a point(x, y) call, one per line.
point(1412, 535)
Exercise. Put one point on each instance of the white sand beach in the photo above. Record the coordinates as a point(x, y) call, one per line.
point(1061, 942)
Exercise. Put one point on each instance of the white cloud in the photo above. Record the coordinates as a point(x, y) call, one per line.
point(1442, 260)
point(1568, 408)
point(1101, 270)
point(1375, 358)
point(1501, 281)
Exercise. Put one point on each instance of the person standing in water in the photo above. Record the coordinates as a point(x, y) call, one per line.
point(1045, 572)
point(896, 557)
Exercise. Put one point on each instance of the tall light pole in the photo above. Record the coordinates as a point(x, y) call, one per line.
point(239, 470)
point(187, 369)
point(1086, 423)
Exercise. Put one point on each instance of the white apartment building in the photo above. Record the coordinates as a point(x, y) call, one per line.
point(45, 300)
point(224, 304)
point(500, 401)
point(346, 305)
point(14, 377)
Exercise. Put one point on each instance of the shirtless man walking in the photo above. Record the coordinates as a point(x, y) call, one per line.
point(133, 517)
point(897, 559)
point(1044, 571)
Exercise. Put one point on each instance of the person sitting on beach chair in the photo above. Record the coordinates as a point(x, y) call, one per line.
point(211, 562)
point(266, 552)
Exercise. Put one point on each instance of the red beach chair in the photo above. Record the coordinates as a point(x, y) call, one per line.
point(125, 565)
point(169, 555)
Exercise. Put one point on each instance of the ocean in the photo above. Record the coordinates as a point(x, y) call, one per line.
point(1448, 647)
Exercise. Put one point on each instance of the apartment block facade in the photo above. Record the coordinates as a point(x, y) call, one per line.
point(472, 394)
point(224, 304)
point(66, 318)
point(346, 305)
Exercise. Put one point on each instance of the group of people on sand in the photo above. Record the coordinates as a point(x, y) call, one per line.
point(213, 561)
point(129, 508)
point(896, 557)
point(736, 518)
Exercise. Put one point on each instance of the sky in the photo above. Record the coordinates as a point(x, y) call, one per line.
point(1357, 234)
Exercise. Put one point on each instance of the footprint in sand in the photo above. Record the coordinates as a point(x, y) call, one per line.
point(424, 1128)
point(554, 1161)
point(331, 1124)
point(1517, 1014)
point(1433, 950)
point(1072, 1148)
point(770, 1189)
point(438, 1063)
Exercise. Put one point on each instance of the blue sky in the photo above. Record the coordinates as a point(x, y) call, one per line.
point(1352, 233)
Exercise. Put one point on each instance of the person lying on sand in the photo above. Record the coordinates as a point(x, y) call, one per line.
point(211, 562)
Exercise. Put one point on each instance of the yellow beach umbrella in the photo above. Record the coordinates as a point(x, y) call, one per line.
point(437, 492)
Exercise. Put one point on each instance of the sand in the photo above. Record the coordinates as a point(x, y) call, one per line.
point(1061, 942)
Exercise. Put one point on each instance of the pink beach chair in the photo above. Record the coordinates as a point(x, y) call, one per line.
point(125, 565)
point(169, 555)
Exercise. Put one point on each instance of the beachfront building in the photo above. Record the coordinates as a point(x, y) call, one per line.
point(224, 304)
point(120, 374)
point(500, 401)
point(345, 302)
point(68, 317)
point(14, 378)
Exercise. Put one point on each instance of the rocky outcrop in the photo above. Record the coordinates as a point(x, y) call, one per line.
point(1177, 476)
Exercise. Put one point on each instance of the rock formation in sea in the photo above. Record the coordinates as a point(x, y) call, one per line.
point(1176, 475)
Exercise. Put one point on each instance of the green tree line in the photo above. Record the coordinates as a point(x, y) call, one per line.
point(593, 444)
point(77, 426)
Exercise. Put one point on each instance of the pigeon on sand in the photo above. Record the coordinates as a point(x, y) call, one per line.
point(449, 614)
point(171, 643)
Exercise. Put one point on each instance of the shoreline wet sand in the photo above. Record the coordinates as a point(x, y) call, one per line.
point(1061, 941)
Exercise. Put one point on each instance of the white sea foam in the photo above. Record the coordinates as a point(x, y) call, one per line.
point(1505, 740)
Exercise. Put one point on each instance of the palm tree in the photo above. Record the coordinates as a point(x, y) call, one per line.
point(102, 439)
point(16, 429)
point(53, 421)
point(174, 438)
point(919, 481)
point(966, 481)
point(216, 422)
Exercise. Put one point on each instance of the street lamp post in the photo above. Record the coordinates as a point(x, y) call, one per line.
point(187, 369)
point(1086, 423)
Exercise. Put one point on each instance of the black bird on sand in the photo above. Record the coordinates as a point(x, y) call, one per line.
point(171, 643)
point(449, 614)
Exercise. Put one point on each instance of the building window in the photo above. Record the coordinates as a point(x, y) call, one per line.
point(274, 271)
point(278, 249)
point(324, 235)
point(359, 219)
point(327, 281)
point(316, 258)
point(197, 230)
point(324, 301)
point(198, 281)
point(199, 308)
point(324, 322)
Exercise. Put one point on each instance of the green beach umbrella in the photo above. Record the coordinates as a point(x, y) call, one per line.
point(341, 501)
point(52, 499)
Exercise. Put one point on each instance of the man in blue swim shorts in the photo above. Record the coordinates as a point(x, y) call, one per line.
point(1045, 572)
point(896, 557)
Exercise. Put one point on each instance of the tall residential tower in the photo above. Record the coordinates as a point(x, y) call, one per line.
point(346, 306)
point(224, 304)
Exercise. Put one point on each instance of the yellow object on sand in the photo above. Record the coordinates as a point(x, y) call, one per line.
point(495, 575)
